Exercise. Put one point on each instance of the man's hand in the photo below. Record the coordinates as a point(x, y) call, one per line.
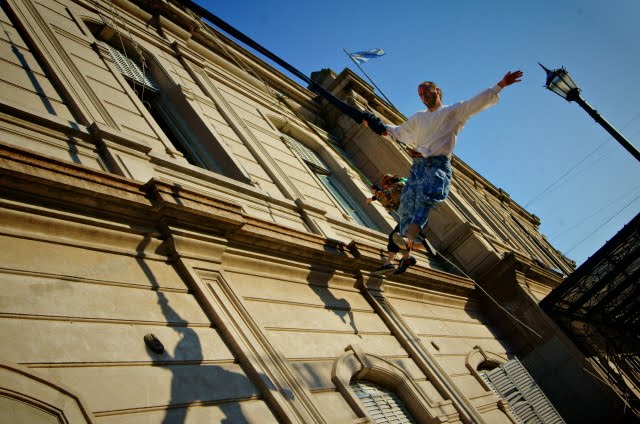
point(374, 123)
point(366, 124)
point(510, 78)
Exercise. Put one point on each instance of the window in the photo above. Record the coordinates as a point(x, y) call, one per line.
point(331, 183)
point(150, 94)
point(526, 400)
point(382, 405)
point(388, 395)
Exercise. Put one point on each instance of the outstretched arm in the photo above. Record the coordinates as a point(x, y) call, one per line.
point(378, 127)
point(510, 78)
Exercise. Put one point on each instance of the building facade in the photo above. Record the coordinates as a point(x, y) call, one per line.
point(184, 239)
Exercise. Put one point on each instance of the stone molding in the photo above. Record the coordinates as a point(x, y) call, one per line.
point(28, 387)
point(85, 104)
point(478, 356)
point(356, 364)
point(420, 355)
point(291, 401)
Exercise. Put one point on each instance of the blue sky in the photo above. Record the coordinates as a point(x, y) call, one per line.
point(548, 154)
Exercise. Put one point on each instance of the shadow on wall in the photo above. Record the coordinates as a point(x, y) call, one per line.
point(318, 281)
point(37, 87)
point(192, 382)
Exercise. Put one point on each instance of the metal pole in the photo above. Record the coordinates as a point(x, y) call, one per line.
point(607, 126)
point(369, 78)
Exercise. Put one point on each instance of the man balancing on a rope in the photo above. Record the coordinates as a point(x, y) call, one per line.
point(433, 133)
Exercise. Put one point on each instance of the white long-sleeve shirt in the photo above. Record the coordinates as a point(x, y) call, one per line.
point(435, 133)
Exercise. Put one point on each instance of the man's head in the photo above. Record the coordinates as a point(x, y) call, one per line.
point(430, 94)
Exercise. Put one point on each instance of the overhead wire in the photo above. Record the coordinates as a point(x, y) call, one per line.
point(241, 37)
point(594, 214)
point(357, 115)
point(505, 310)
point(603, 224)
point(204, 13)
point(558, 181)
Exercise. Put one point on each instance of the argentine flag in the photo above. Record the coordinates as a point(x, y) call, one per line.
point(361, 57)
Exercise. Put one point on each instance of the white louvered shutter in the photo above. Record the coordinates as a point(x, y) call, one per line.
point(131, 70)
point(382, 405)
point(526, 400)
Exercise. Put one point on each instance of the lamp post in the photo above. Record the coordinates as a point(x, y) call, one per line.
point(561, 83)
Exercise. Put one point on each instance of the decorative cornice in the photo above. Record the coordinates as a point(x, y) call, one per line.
point(513, 264)
point(172, 200)
point(52, 180)
point(348, 81)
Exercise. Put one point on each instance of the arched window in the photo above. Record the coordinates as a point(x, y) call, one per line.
point(382, 405)
point(27, 396)
point(388, 395)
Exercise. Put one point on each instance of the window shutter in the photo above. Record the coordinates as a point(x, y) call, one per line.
point(131, 70)
point(308, 155)
point(382, 405)
point(526, 400)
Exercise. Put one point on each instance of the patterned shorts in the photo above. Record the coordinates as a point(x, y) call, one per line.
point(428, 184)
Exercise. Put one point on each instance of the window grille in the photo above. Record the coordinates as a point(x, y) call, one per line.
point(131, 70)
point(526, 400)
point(382, 405)
point(308, 155)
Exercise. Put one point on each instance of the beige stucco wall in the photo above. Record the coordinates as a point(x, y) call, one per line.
point(78, 297)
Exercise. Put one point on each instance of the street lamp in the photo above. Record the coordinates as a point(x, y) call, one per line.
point(561, 83)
